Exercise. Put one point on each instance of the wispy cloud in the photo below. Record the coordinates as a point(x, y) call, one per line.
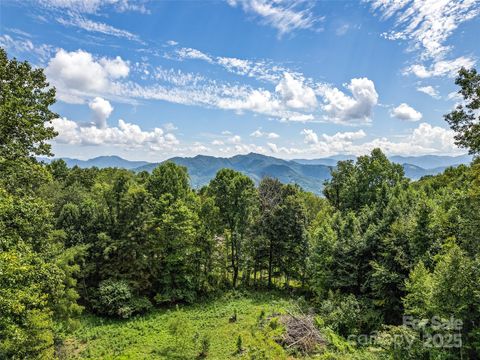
point(426, 25)
point(26, 46)
point(83, 23)
point(282, 15)
point(94, 6)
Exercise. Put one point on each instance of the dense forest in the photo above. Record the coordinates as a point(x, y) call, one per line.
point(375, 251)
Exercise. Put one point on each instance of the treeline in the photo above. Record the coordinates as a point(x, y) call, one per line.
point(377, 247)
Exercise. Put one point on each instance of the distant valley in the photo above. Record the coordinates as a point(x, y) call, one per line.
point(308, 173)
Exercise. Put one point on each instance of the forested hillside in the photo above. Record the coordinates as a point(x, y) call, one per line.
point(379, 267)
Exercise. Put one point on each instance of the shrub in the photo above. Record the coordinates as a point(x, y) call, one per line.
point(341, 313)
point(115, 298)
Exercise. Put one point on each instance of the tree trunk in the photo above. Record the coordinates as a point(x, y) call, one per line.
point(270, 264)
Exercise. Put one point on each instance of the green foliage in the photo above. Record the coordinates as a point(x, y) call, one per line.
point(419, 292)
point(342, 313)
point(235, 196)
point(177, 333)
point(25, 98)
point(169, 178)
point(115, 298)
point(464, 120)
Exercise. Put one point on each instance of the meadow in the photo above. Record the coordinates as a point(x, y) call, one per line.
point(180, 332)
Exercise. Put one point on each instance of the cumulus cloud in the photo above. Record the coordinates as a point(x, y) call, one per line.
point(345, 109)
point(429, 90)
point(310, 136)
point(405, 112)
point(101, 109)
point(424, 139)
point(77, 73)
point(300, 118)
point(269, 135)
point(295, 93)
point(235, 139)
point(261, 101)
point(124, 134)
point(324, 145)
point(285, 17)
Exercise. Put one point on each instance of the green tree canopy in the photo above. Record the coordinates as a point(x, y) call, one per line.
point(465, 119)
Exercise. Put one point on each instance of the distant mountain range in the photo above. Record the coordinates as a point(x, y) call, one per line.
point(308, 173)
point(104, 162)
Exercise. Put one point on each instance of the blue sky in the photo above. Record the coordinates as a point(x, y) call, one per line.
point(293, 79)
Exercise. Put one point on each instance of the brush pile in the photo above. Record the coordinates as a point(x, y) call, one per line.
point(301, 333)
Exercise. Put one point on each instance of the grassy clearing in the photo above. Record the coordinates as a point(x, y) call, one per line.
point(178, 333)
point(181, 332)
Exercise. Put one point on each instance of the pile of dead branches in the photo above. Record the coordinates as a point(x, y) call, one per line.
point(301, 333)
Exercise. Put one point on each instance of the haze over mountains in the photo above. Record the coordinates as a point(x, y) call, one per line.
point(308, 173)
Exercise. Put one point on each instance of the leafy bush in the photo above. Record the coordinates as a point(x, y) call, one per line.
point(341, 313)
point(115, 298)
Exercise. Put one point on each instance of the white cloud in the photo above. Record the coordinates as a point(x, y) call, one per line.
point(295, 94)
point(269, 135)
point(434, 138)
point(405, 112)
point(125, 135)
point(424, 139)
point(259, 70)
point(22, 45)
point(300, 118)
point(78, 74)
point(285, 17)
point(262, 70)
point(441, 68)
point(260, 101)
point(189, 53)
point(454, 95)
point(429, 90)
point(310, 136)
point(101, 111)
point(116, 68)
point(235, 139)
point(345, 109)
point(426, 23)
point(325, 145)
point(170, 127)
point(272, 135)
point(177, 77)
point(344, 136)
point(218, 142)
point(93, 6)
point(83, 23)
point(172, 43)
point(257, 133)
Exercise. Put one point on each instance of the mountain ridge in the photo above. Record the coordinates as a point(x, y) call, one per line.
point(310, 174)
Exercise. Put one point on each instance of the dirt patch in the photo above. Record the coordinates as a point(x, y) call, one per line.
point(70, 349)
